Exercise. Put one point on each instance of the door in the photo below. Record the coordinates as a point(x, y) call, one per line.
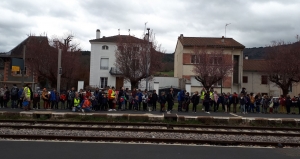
point(119, 82)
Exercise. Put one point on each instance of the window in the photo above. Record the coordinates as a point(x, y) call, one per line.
point(218, 84)
point(245, 79)
point(104, 64)
point(104, 47)
point(215, 60)
point(264, 79)
point(194, 59)
point(103, 82)
point(20, 72)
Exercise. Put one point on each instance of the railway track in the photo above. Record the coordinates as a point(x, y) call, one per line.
point(14, 129)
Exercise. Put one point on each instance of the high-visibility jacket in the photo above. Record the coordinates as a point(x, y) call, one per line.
point(211, 95)
point(202, 95)
point(111, 94)
point(76, 102)
point(27, 92)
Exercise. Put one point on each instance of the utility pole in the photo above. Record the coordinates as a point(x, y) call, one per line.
point(225, 28)
point(23, 70)
point(59, 71)
point(148, 52)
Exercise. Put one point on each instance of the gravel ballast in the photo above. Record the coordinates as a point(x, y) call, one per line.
point(192, 136)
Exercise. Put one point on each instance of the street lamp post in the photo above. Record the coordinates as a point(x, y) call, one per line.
point(148, 51)
point(225, 28)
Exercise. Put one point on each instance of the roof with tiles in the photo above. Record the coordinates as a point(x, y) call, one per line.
point(114, 39)
point(254, 65)
point(210, 42)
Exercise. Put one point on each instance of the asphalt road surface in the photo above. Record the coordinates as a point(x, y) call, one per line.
point(79, 150)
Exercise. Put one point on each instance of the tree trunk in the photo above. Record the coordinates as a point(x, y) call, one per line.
point(285, 91)
point(134, 84)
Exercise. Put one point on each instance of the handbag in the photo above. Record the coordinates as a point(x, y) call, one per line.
point(25, 103)
point(271, 105)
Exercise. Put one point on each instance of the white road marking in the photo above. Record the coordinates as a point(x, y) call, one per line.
point(235, 115)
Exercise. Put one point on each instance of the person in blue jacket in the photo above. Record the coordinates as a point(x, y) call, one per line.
point(53, 98)
point(180, 100)
point(20, 98)
point(140, 96)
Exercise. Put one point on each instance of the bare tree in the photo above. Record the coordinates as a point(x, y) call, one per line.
point(282, 64)
point(42, 58)
point(211, 67)
point(134, 56)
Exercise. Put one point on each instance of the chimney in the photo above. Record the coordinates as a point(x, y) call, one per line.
point(98, 34)
point(181, 36)
point(222, 39)
point(246, 57)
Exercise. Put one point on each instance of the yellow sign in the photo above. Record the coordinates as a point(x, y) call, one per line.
point(15, 68)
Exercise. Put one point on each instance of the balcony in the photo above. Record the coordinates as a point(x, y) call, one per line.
point(114, 71)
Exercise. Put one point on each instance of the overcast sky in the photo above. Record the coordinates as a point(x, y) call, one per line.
point(254, 23)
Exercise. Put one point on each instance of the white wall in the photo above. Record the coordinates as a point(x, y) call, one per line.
point(96, 54)
point(163, 82)
point(254, 84)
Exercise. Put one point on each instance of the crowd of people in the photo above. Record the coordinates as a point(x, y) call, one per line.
point(111, 99)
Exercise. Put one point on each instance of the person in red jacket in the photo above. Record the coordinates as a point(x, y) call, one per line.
point(282, 105)
point(88, 94)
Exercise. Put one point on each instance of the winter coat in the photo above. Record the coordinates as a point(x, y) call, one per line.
point(53, 96)
point(195, 99)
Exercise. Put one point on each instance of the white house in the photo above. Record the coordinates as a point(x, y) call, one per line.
point(103, 72)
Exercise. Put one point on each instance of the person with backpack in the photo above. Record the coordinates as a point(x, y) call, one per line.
point(14, 96)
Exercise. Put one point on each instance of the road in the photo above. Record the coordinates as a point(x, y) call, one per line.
point(79, 150)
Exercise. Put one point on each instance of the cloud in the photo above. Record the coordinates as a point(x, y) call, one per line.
point(253, 23)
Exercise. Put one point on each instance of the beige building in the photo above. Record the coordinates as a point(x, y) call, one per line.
point(184, 62)
point(254, 80)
